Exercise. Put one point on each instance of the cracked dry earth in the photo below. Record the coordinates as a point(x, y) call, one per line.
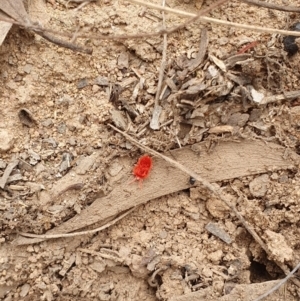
point(64, 170)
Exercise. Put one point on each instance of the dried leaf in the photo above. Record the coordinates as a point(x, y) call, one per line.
point(218, 62)
point(193, 64)
point(4, 29)
point(16, 10)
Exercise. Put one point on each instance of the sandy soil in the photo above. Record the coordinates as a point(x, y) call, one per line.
point(71, 172)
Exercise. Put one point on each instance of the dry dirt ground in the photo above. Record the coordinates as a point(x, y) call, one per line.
point(69, 171)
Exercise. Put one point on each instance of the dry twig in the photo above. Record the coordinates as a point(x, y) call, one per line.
point(61, 235)
point(154, 124)
point(287, 8)
point(210, 20)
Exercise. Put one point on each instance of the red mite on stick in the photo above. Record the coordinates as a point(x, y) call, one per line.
point(142, 169)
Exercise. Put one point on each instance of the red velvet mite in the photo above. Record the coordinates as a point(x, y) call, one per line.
point(142, 169)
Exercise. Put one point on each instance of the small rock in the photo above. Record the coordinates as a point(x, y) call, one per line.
point(61, 128)
point(47, 123)
point(118, 119)
point(2, 164)
point(34, 157)
point(217, 208)
point(214, 229)
point(6, 140)
point(82, 83)
point(115, 168)
point(72, 141)
point(255, 115)
point(283, 179)
point(85, 164)
point(123, 60)
point(101, 81)
point(82, 119)
point(50, 141)
point(24, 290)
point(95, 88)
point(98, 266)
point(66, 162)
point(278, 246)
point(27, 68)
point(215, 257)
point(259, 186)
point(65, 101)
point(238, 119)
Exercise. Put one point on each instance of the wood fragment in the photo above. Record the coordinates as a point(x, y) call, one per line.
point(9, 168)
point(194, 63)
point(289, 95)
point(39, 238)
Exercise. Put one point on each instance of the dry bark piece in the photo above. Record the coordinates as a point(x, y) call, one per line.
point(118, 119)
point(7, 172)
point(227, 161)
point(193, 64)
point(236, 59)
point(218, 62)
point(4, 29)
point(123, 60)
point(16, 10)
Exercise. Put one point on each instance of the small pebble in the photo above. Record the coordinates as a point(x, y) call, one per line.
point(6, 140)
point(82, 83)
point(259, 186)
point(24, 290)
point(27, 68)
point(61, 128)
point(2, 164)
point(47, 123)
point(101, 81)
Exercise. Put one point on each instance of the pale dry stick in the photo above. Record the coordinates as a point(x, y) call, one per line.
point(154, 123)
point(279, 284)
point(213, 21)
point(214, 189)
point(40, 28)
point(49, 236)
point(200, 16)
point(287, 8)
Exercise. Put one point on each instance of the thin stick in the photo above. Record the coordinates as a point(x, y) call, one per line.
point(279, 284)
point(48, 236)
point(216, 21)
point(65, 44)
point(214, 189)
point(163, 61)
point(38, 27)
point(287, 8)
point(154, 124)
point(66, 34)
